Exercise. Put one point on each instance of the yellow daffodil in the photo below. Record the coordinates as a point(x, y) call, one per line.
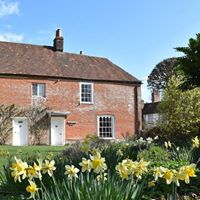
point(102, 177)
point(129, 164)
point(95, 151)
point(158, 172)
point(31, 172)
point(120, 152)
point(32, 189)
point(19, 169)
point(140, 168)
point(98, 163)
point(186, 172)
point(168, 175)
point(168, 144)
point(123, 170)
point(86, 165)
point(71, 171)
point(49, 156)
point(38, 168)
point(128, 167)
point(151, 184)
point(16, 176)
point(48, 167)
point(195, 142)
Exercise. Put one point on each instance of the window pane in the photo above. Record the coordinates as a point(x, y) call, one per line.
point(38, 89)
point(34, 89)
point(106, 126)
point(41, 90)
point(86, 93)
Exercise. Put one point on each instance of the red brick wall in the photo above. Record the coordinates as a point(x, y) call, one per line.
point(109, 98)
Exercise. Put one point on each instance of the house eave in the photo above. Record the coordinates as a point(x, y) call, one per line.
point(27, 76)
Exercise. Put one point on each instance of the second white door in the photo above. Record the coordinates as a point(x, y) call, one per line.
point(57, 131)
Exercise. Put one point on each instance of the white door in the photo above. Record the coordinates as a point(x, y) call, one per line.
point(20, 131)
point(57, 131)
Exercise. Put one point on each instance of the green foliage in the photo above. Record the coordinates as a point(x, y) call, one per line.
point(88, 188)
point(109, 150)
point(195, 156)
point(170, 158)
point(155, 155)
point(181, 109)
point(189, 64)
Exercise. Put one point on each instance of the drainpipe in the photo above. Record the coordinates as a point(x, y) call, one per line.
point(137, 121)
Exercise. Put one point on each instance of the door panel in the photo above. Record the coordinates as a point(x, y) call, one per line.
point(57, 131)
point(20, 131)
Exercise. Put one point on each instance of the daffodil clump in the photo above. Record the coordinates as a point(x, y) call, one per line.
point(184, 173)
point(21, 170)
point(95, 163)
point(128, 167)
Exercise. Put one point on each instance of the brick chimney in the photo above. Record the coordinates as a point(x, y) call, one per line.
point(58, 42)
point(155, 96)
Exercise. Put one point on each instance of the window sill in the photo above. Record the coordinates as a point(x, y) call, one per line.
point(38, 97)
point(107, 138)
point(89, 103)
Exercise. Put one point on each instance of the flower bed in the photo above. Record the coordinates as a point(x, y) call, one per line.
point(106, 171)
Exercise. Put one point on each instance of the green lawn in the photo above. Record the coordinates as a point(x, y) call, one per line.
point(7, 151)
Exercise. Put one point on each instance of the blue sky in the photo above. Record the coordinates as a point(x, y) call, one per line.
point(135, 34)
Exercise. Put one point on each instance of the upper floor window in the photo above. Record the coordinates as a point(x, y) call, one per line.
point(38, 90)
point(106, 126)
point(86, 92)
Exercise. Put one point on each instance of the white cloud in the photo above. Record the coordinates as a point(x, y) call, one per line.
point(8, 8)
point(11, 37)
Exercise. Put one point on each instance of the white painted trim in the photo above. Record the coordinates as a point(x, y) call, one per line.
point(113, 126)
point(92, 87)
point(63, 142)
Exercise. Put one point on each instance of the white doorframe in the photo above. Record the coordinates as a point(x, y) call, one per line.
point(20, 131)
point(57, 130)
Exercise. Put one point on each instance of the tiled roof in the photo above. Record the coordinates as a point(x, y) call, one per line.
point(150, 108)
point(34, 60)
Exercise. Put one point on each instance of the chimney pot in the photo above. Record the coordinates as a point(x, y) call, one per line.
point(81, 52)
point(58, 41)
point(58, 33)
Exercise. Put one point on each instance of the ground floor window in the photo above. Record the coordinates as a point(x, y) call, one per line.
point(106, 126)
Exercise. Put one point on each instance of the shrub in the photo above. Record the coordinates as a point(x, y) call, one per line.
point(155, 155)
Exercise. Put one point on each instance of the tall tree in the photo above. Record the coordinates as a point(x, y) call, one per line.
point(189, 64)
point(181, 109)
point(158, 78)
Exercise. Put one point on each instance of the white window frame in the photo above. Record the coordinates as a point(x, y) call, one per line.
point(113, 126)
point(38, 90)
point(92, 92)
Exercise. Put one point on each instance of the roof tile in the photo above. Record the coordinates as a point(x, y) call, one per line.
point(34, 60)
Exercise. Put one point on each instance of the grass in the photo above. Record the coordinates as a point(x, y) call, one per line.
point(7, 151)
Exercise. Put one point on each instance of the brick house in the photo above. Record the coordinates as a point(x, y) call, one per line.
point(85, 94)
